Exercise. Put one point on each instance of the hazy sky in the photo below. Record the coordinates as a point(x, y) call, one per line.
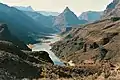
point(77, 6)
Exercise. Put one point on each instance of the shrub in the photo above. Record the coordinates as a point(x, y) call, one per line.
point(68, 36)
point(115, 18)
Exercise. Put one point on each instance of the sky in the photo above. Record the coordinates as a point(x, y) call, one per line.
point(77, 6)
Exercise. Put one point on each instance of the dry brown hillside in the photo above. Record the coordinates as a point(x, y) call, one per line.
point(97, 41)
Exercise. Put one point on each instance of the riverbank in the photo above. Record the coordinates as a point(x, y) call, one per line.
point(45, 46)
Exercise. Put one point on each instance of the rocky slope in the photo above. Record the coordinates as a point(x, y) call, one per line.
point(21, 64)
point(96, 41)
point(16, 63)
point(112, 10)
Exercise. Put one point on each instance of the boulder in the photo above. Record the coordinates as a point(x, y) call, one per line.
point(41, 55)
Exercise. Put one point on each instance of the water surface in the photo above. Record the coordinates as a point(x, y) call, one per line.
point(46, 47)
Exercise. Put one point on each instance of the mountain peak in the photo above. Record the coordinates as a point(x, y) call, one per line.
point(30, 7)
point(67, 9)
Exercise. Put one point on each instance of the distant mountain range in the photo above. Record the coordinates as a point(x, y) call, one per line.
point(47, 13)
point(21, 25)
point(27, 24)
point(52, 20)
point(91, 16)
point(29, 8)
point(47, 21)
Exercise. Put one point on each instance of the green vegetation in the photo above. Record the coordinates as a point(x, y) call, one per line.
point(115, 19)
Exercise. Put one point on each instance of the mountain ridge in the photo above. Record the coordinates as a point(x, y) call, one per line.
point(67, 19)
point(91, 16)
point(29, 8)
point(22, 20)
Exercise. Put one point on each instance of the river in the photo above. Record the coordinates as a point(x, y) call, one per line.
point(46, 47)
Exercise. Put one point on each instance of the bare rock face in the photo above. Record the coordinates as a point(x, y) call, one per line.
point(112, 10)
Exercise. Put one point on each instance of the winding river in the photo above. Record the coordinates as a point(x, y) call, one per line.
point(46, 47)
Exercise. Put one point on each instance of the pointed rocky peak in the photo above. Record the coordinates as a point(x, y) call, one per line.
point(66, 10)
point(67, 19)
point(30, 8)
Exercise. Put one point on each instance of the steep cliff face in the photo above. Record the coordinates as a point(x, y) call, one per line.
point(97, 41)
point(112, 10)
point(7, 36)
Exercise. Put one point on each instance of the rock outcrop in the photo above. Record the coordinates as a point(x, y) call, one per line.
point(40, 55)
point(112, 10)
